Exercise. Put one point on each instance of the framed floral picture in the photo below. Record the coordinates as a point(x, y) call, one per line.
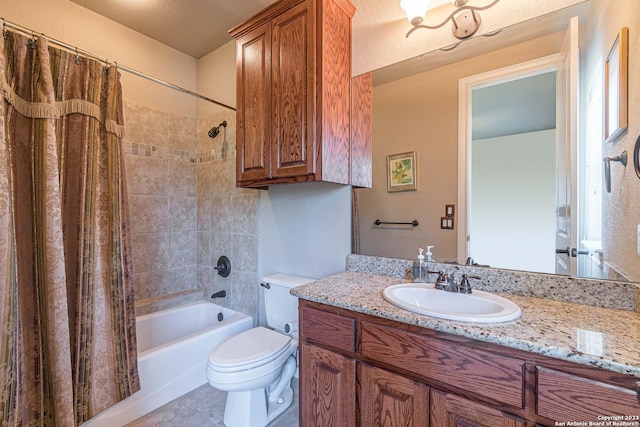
point(401, 172)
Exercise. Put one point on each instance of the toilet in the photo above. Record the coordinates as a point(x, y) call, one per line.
point(256, 366)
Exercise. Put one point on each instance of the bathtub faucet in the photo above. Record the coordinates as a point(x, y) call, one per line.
point(219, 294)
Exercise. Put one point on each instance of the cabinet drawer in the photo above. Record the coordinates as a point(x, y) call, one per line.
point(564, 397)
point(486, 374)
point(329, 329)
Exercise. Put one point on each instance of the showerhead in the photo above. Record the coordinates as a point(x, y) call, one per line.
point(213, 132)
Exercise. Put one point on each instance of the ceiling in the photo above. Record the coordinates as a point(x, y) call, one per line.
point(499, 110)
point(195, 27)
point(198, 27)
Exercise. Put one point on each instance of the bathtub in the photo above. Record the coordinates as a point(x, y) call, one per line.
point(173, 346)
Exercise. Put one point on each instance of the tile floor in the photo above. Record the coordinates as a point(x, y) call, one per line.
point(204, 407)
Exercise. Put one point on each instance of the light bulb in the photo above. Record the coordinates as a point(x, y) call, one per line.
point(415, 10)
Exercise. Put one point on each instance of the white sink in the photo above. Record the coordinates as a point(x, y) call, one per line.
point(478, 306)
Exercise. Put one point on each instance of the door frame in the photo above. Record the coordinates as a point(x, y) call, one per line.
point(465, 87)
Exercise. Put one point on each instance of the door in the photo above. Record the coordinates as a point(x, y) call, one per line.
point(328, 388)
point(253, 95)
point(567, 153)
point(293, 83)
point(387, 399)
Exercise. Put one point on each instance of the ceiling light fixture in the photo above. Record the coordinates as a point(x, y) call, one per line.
point(465, 19)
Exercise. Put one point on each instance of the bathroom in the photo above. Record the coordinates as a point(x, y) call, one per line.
point(186, 209)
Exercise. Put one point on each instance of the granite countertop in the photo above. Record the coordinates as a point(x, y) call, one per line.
point(595, 336)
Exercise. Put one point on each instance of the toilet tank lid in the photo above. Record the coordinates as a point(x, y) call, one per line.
point(286, 280)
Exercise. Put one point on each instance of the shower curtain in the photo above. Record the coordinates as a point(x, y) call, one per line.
point(68, 345)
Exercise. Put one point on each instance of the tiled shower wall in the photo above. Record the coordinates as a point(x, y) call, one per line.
point(186, 212)
point(227, 219)
point(161, 181)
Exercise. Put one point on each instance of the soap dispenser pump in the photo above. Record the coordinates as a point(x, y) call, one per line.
point(420, 268)
point(429, 254)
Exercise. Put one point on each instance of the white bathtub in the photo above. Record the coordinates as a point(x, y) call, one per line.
point(173, 346)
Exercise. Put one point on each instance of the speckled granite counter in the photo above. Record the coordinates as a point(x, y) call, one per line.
point(595, 336)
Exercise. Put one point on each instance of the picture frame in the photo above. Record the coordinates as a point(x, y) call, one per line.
point(616, 71)
point(401, 172)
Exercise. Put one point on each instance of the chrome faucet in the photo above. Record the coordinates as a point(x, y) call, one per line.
point(448, 284)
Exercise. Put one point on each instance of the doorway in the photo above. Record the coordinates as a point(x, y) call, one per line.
point(507, 166)
point(513, 175)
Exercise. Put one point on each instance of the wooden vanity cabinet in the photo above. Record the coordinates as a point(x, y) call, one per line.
point(293, 70)
point(361, 370)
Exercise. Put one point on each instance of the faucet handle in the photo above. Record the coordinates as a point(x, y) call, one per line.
point(442, 280)
point(465, 285)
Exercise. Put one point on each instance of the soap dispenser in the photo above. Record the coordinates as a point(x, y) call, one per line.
point(420, 268)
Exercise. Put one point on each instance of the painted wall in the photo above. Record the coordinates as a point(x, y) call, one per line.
point(621, 208)
point(421, 113)
point(512, 221)
point(304, 230)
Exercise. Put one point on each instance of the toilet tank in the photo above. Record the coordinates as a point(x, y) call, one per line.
point(280, 306)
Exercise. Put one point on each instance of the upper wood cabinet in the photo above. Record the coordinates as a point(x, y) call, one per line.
point(294, 94)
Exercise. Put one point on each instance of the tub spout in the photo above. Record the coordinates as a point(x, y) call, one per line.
point(219, 294)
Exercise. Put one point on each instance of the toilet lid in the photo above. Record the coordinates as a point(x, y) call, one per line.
point(248, 348)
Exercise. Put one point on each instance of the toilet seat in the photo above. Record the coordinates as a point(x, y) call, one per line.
point(255, 347)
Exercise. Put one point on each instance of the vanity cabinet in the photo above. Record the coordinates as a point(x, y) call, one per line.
point(400, 374)
point(293, 69)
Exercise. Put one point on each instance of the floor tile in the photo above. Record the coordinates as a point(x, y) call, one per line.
point(204, 407)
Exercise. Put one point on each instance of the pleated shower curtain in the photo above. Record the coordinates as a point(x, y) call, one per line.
point(68, 345)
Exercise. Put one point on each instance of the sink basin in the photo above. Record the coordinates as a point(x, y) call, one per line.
point(479, 306)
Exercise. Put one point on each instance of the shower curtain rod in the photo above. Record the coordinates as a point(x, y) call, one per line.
point(129, 70)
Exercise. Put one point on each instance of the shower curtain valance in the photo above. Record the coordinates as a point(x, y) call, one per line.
point(69, 96)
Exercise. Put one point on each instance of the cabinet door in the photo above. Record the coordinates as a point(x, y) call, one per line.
point(254, 106)
point(361, 129)
point(328, 388)
point(293, 93)
point(387, 399)
point(448, 410)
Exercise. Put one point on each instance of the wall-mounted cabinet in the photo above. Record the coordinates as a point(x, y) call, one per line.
point(293, 94)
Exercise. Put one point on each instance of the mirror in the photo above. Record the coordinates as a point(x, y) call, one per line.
point(415, 108)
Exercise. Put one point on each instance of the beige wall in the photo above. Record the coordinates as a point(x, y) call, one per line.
point(621, 208)
point(421, 113)
point(217, 76)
